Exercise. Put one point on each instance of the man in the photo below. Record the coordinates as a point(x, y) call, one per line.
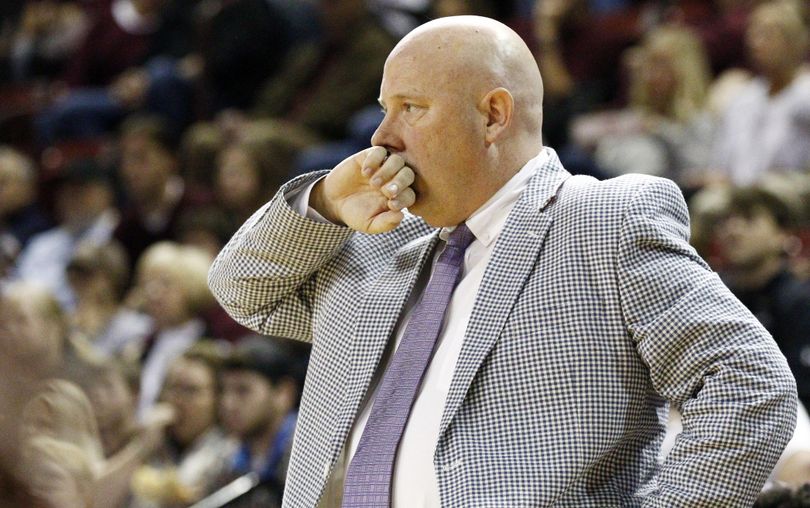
point(86, 214)
point(753, 237)
point(21, 217)
point(581, 310)
point(260, 390)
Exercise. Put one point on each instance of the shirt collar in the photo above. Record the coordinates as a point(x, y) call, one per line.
point(487, 222)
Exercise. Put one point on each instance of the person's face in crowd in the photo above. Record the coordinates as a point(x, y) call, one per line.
point(749, 241)
point(433, 123)
point(114, 406)
point(165, 296)
point(659, 74)
point(237, 181)
point(768, 44)
point(246, 406)
point(190, 388)
point(15, 190)
point(28, 331)
point(79, 203)
point(145, 167)
point(89, 283)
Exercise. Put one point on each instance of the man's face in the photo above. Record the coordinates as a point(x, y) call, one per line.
point(247, 402)
point(145, 166)
point(190, 388)
point(165, 296)
point(768, 45)
point(433, 123)
point(748, 241)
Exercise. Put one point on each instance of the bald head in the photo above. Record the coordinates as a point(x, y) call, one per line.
point(463, 102)
point(483, 53)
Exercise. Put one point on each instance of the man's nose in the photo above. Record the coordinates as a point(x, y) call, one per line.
point(386, 136)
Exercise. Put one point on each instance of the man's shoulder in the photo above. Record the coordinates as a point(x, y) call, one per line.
point(619, 189)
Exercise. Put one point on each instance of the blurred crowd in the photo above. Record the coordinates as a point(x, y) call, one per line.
point(136, 136)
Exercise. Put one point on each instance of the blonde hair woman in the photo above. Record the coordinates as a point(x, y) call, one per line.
point(172, 289)
point(664, 130)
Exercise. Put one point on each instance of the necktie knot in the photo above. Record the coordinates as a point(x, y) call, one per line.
point(461, 237)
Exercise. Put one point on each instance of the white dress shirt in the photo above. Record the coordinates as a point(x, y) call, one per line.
point(414, 481)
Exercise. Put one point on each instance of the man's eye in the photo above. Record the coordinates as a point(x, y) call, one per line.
point(408, 107)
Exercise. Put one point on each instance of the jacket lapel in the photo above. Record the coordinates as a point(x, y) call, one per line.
point(377, 317)
point(511, 263)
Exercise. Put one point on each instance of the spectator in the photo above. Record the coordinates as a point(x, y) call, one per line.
point(322, 84)
point(125, 63)
point(61, 458)
point(85, 214)
point(752, 237)
point(99, 277)
point(32, 338)
point(112, 388)
point(766, 127)
point(665, 130)
point(48, 33)
point(154, 190)
point(195, 451)
point(578, 51)
point(199, 150)
point(20, 215)
point(260, 391)
point(252, 168)
point(171, 288)
point(244, 43)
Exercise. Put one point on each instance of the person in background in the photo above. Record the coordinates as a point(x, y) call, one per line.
point(171, 289)
point(99, 276)
point(664, 130)
point(322, 83)
point(753, 235)
point(154, 191)
point(86, 214)
point(48, 34)
point(33, 339)
point(21, 216)
point(261, 385)
point(252, 168)
point(195, 451)
point(61, 460)
point(112, 388)
point(766, 125)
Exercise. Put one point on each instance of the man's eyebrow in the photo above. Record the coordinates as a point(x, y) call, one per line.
point(403, 97)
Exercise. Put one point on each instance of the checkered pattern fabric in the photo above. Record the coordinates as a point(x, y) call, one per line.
point(593, 312)
point(368, 481)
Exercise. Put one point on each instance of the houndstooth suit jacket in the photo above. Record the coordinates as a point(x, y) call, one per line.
point(592, 313)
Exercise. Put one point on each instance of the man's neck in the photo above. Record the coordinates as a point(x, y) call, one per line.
point(260, 442)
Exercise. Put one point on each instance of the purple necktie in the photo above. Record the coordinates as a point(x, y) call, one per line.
point(368, 479)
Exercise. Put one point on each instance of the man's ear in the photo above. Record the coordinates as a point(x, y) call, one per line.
point(498, 107)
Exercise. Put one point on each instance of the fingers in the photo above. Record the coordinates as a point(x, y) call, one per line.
point(404, 199)
point(392, 165)
point(391, 176)
point(401, 181)
point(374, 159)
point(384, 222)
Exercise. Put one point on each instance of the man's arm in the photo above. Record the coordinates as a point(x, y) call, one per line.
point(264, 275)
point(261, 276)
point(707, 354)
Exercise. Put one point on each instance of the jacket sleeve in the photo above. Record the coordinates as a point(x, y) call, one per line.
point(706, 353)
point(265, 276)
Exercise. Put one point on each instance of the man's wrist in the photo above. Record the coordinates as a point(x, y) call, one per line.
point(319, 203)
